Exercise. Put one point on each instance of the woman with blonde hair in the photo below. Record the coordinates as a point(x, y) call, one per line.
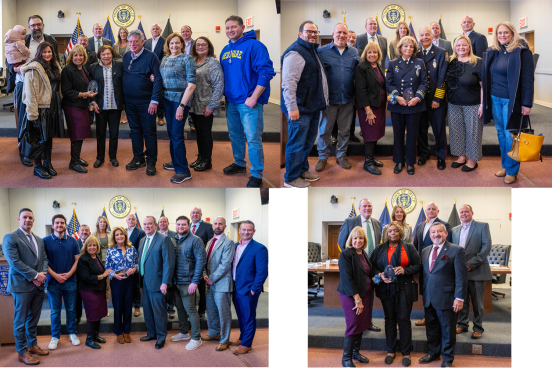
point(508, 81)
point(102, 234)
point(398, 214)
point(402, 31)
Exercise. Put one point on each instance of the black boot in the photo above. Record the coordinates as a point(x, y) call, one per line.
point(75, 158)
point(369, 159)
point(196, 162)
point(48, 158)
point(356, 350)
point(204, 165)
point(97, 337)
point(40, 171)
point(377, 163)
point(90, 336)
point(347, 360)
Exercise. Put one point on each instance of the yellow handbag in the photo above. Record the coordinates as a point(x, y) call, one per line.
point(526, 146)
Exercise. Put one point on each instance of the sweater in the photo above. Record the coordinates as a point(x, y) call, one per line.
point(37, 92)
point(16, 51)
point(138, 89)
point(209, 87)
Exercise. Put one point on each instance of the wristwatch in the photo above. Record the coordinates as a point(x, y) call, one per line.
point(101, 277)
point(182, 105)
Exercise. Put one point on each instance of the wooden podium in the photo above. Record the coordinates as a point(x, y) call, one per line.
point(6, 306)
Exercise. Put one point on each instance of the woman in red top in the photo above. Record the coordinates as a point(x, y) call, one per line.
point(397, 296)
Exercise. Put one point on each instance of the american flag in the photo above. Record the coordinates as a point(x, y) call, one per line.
point(74, 38)
point(74, 226)
point(137, 221)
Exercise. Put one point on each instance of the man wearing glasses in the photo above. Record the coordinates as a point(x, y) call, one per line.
point(305, 94)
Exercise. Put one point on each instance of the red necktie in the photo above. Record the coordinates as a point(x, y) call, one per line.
point(211, 248)
point(193, 229)
point(433, 258)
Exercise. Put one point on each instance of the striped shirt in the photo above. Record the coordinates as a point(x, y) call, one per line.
point(109, 93)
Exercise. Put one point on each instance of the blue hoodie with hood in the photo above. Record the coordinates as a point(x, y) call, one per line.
point(246, 64)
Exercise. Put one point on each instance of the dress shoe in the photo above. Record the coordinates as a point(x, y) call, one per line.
point(160, 345)
point(192, 128)
point(422, 161)
point(41, 172)
point(354, 138)
point(242, 350)
point(209, 338)
point(234, 169)
point(459, 330)
point(297, 183)
point(406, 362)
point(378, 163)
point(151, 170)
point(26, 161)
point(235, 343)
point(204, 165)
point(398, 168)
point(477, 335)
point(114, 162)
point(127, 338)
point(136, 312)
point(410, 169)
point(420, 323)
point(320, 165)
point(501, 173)
point(91, 343)
point(28, 359)
point(47, 164)
point(121, 339)
point(98, 163)
point(38, 351)
point(508, 179)
point(466, 168)
point(196, 162)
point(441, 164)
point(161, 122)
point(428, 358)
point(344, 162)
point(99, 339)
point(456, 165)
point(252, 183)
point(83, 162)
point(389, 359)
point(147, 338)
point(308, 176)
point(375, 328)
point(136, 163)
point(446, 364)
point(76, 166)
point(222, 347)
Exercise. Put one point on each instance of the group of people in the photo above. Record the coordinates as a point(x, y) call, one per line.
point(155, 266)
point(328, 86)
point(175, 79)
point(452, 266)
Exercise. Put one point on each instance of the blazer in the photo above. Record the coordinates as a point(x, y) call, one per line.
point(96, 72)
point(92, 47)
point(158, 47)
point(137, 235)
point(91, 59)
point(158, 263)
point(352, 274)
point(419, 238)
point(449, 278)
point(436, 63)
point(204, 231)
point(367, 87)
point(380, 260)
point(362, 41)
point(219, 264)
point(447, 45)
point(24, 264)
point(252, 268)
point(479, 43)
point(72, 82)
point(171, 234)
point(350, 223)
point(478, 247)
point(401, 76)
point(87, 273)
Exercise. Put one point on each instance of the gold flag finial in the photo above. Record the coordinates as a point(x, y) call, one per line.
point(454, 200)
point(440, 16)
point(169, 16)
point(410, 19)
point(134, 208)
point(163, 207)
point(353, 199)
point(139, 17)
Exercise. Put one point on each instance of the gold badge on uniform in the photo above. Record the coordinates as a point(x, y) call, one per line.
point(446, 56)
point(434, 64)
point(396, 69)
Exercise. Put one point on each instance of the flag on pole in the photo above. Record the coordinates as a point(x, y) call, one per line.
point(74, 226)
point(141, 29)
point(412, 33)
point(454, 219)
point(353, 213)
point(162, 212)
point(443, 36)
point(168, 29)
point(104, 214)
point(421, 219)
point(386, 62)
point(137, 221)
point(384, 219)
point(108, 32)
point(74, 37)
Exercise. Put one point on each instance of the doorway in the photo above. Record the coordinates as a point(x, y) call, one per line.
point(530, 39)
point(333, 236)
point(258, 34)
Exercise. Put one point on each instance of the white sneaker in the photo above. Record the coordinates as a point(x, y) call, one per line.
point(53, 343)
point(193, 344)
point(74, 339)
point(181, 337)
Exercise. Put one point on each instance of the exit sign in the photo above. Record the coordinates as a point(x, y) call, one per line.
point(235, 213)
point(523, 22)
point(249, 22)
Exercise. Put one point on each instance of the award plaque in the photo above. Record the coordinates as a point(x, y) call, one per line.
point(389, 273)
point(93, 86)
point(408, 95)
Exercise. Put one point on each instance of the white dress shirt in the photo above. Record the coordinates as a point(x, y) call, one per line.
point(154, 43)
point(130, 230)
point(33, 46)
point(96, 43)
point(375, 38)
point(364, 221)
point(428, 225)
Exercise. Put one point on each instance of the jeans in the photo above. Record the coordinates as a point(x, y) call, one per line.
point(244, 124)
point(175, 128)
point(302, 135)
point(67, 291)
point(143, 127)
point(505, 139)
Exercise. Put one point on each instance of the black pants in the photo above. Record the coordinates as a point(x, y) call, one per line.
point(441, 332)
point(137, 297)
point(400, 122)
point(161, 109)
point(204, 127)
point(121, 295)
point(202, 305)
point(397, 310)
point(76, 148)
point(103, 119)
point(435, 117)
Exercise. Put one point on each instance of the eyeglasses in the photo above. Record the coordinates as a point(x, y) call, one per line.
point(311, 32)
point(130, 65)
point(36, 25)
point(198, 45)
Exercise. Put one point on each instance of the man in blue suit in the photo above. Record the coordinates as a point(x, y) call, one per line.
point(135, 234)
point(156, 45)
point(156, 267)
point(478, 40)
point(26, 256)
point(250, 272)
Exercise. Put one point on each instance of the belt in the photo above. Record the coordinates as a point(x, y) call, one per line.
point(174, 89)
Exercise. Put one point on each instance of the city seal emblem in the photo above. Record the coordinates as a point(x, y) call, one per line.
point(405, 198)
point(123, 15)
point(119, 206)
point(392, 15)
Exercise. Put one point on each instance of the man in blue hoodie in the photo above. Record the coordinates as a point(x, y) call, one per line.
point(247, 74)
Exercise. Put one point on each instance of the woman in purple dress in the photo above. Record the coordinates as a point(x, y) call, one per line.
point(92, 275)
point(355, 293)
point(371, 102)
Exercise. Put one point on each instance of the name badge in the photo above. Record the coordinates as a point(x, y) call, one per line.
point(434, 64)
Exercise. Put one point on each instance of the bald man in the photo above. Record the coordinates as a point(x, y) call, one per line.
point(371, 35)
point(478, 41)
point(94, 43)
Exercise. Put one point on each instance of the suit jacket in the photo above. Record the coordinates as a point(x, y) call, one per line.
point(92, 47)
point(159, 261)
point(401, 76)
point(367, 87)
point(204, 231)
point(436, 63)
point(171, 234)
point(479, 43)
point(96, 72)
point(478, 246)
point(448, 279)
point(72, 82)
point(91, 59)
point(158, 48)
point(252, 268)
point(137, 235)
point(87, 273)
point(362, 41)
point(447, 45)
point(352, 274)
point(419, 238)
point(350, 223)
point(24, 264)
point(219, 264)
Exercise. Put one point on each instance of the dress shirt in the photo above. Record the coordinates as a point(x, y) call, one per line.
point(464, 234)
point(146, 242)
point(96, 43)
point(237, 256)
point(467, 34)
point(428, 225)
point(373, 38)
point(109, 92)
point(436, 42)
point(33, 46)
point(33, 242)
point(371, 229)
point(218, 237)
point(130, 230)
point(165, 233)
point(427, 50)
point(196, 226)
point(406, 61)
point(154, 43)
point(188, 47)
point(340, 71)
point(438, 246)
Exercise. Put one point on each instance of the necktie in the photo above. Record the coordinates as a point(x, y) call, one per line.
point(144, 257)
point(32, 244)
point(433, 258)
point(193, 229)
point(99, 45)
point(370, 240)
point(211, 248)
point(373, 39)
point(425, 52)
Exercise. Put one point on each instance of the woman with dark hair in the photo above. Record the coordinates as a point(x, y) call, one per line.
point(121, 47)
point(402, 31)
point(43, 119)
point(206, 102)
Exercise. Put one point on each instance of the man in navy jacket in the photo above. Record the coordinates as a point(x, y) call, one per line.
point(478, 41)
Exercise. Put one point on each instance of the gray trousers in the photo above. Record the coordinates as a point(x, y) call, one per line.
point(475, 294)
point(28, 307)
point(155, 313)
point(219, 314)
point(343, 114)
point(187, 309)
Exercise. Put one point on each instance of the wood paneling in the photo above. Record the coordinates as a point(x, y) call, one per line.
point(333, 235)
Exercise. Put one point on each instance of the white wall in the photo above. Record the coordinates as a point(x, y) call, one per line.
point(9, 8)
point(492, 205)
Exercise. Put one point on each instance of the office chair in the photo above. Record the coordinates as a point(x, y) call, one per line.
point(499, 254)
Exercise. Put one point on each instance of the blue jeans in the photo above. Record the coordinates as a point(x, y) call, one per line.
point(505, 139)
point(244, 124)
point(143, 128)
point(175, 128)
point(302, 135)
point(67, 291)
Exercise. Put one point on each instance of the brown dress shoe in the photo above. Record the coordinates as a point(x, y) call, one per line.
point(37, 350)
point(209, 338)
point(510, 179)
point(501, 173)
point(235, 343)
point(343, 161)
point(242, 350)
point(476, 335)
point(28, 359)
point(459, 330)
point(160, 122)
point(136, 312)
point(126, 337)
point(222, 347)
point(120, 339)
point(420, 323)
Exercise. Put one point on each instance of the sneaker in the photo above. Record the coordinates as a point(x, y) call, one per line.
point(193, 344)
point(297, 183)
point(308, 176)
point(254, 182)
point(179, 178)
point(181, 337)
point(53, 344)
point(321, 165)
point(150, 171)
point(74, 339)
point(168, 166)
point(234, 169)
point(136, 163)
point(344, 162)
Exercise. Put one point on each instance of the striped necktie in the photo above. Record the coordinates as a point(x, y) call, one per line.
point(370, 239)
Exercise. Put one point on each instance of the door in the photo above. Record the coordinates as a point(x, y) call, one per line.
point(333, 236)
point(258, 33)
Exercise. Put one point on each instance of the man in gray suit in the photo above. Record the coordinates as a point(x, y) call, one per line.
point(475, 238)
point(218, 276)
point(370, 225)
point(26, 256)
point(156, 267)
point(94, 43)
point(372, 36)
point(438, 41)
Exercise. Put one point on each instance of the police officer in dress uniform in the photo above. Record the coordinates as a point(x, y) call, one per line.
point(436, 63)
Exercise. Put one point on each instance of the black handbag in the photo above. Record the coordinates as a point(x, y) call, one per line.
point(31, 139)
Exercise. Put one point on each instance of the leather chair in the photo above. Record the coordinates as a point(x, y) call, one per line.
point(499, 254)
point(314, 277)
